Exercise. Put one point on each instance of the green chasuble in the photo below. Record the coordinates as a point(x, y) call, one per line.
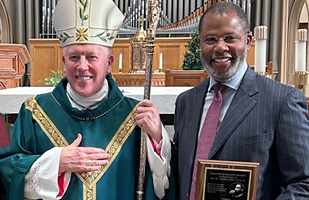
point(49, 120)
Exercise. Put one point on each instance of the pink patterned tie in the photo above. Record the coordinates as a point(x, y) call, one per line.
point(208, 132)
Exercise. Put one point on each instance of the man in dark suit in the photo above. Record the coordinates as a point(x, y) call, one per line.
point(261, 120)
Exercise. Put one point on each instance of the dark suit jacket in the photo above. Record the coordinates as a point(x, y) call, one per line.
point(267, 122)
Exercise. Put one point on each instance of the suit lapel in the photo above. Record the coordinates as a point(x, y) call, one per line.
point(240, 106)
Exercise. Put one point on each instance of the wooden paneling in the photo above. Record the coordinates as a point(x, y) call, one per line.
point(173, 50)
point(251, 52)
point(46, 56)
point(135, 79)
point(121, 45)
point(13, 58)
point(184, 77)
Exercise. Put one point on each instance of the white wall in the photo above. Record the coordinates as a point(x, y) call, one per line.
point(304, 14)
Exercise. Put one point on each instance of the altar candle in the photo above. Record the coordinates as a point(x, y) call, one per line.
point(260, 58)
point(260, 34)
point(300, 50)
point(161, 61)
point(120, 61)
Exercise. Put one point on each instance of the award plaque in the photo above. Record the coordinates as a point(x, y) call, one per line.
point(226, 180)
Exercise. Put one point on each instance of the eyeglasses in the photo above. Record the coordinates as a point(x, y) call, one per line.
point(228, 39)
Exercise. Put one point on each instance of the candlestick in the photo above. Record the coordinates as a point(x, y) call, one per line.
point(120, 62)
point(260, 34)
point(300, 50)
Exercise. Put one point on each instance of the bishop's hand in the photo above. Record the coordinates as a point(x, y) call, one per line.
point(75, 159)
point(148, 118)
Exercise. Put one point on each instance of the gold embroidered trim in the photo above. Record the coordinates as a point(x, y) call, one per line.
point(89, 179)
point(113, 148)
point(89, 193)
point(45, 123)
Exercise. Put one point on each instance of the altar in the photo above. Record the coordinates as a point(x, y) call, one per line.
point(164, 97)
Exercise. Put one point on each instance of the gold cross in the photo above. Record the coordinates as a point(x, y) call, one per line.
point(82, 34)
point(141, 19)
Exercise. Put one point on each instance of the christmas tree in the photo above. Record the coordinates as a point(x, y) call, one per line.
point(192, 60)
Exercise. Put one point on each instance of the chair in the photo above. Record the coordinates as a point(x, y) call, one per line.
point(4, 136)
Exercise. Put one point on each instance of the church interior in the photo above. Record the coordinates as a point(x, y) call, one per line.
point(30, 51)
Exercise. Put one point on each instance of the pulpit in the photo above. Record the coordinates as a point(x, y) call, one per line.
point(13, 58)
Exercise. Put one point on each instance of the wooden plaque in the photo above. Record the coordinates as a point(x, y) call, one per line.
point(228, 180)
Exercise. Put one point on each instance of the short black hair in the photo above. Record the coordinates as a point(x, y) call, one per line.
point(224, 7)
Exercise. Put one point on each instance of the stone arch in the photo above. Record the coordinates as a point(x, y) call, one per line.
point(293, 22)
point(6, 32)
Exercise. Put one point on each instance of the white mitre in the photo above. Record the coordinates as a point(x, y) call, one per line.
point(87, 22)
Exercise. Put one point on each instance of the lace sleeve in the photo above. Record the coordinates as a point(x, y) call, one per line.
point(42, 179)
